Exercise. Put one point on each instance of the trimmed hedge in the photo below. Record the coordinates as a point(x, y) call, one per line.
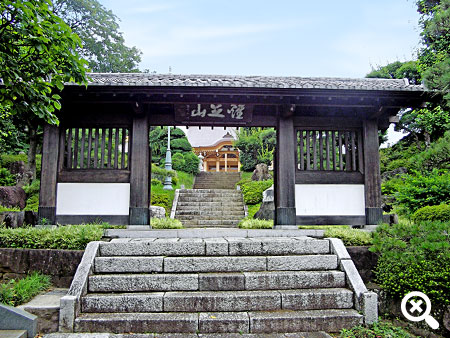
point(440, 213)
point(165, 223)
point(249, 223)
point(253, 190)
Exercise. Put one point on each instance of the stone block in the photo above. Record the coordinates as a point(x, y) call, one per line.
point(214, 264)
point(67, 313)
point(354, 281)
point(303, 262)
point(127, 302)
point(338, 248)
point(224, 322)
point(12, 318)
point(128, 264)
point(216, 247)
point(316, 299)
point(157, 212)
point(280, 280)
point(13, 197)
point(163, 322)
point(12, 219)
point(222, 301)
point(277, 246)
point(298, 321)
point(143, 282)
point(13, 333)
point(159, 247)
point(370, 307)
point(221, 281)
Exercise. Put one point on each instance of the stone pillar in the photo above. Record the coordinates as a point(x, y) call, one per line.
point(285, 178)
point(49, 174)
point(140, 171)
point(372, 177)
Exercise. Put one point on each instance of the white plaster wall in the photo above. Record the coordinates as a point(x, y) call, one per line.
point(329, 199)
point(93, 199)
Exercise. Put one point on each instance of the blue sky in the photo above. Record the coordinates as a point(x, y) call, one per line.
point(285, 38)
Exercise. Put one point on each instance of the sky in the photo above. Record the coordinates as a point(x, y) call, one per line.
point(327, 38)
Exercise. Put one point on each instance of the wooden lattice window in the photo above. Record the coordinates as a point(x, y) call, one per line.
point(333, 150)
point(96, 148)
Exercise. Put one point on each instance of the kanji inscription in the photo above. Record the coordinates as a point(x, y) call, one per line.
point(214, 113)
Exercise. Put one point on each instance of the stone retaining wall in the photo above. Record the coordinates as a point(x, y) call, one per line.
point(59, 264)
point(62, 264)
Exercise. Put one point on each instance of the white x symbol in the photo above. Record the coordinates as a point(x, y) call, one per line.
point(416, 306)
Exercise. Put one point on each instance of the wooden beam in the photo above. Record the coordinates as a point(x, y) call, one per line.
point(285, 178)
point(49, 172)
point(139, 171)
point(372, 177)
point(328, 177)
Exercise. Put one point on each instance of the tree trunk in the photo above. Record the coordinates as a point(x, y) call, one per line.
point(427, 139)
point(30, 166)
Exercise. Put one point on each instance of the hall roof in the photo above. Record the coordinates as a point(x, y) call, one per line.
point(172, 80)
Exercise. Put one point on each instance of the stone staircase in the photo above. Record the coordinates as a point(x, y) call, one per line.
point(219, 180)
point(209, 207)
point(216, 285)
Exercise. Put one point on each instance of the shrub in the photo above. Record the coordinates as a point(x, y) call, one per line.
point(71, 237)
point(32, 191)
point(249, 223)
point(253, 190)
point(440, 213)
point(419, 190)
point(414, 257)
point(350, 237)
point(14, 292)
point(178, 161)
point(165, 223)
point(155, 181)
point(379, 329)
point(181, 144)
point(191, 163)
point(162, 200)
point(6, 159)
point(6, 209)
point(6, 178)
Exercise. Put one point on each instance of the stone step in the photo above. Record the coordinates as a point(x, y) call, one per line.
point(211, 213)
point(191, 225)
point(223, 199)
point(283, 321)
point(224, 222)
point(320, 334)
point(219, 301)
point(250, 263)
point(215, 246)
point(210, 220)
point(260, 280)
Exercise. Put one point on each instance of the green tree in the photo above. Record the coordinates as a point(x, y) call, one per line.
point(158, 142)
point(398, 70)
point(434, 57)
point(103, 44)
point(256, 145)
point(38, 54)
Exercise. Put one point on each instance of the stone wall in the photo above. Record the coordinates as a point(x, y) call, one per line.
point(365, 261)
point(61, 265)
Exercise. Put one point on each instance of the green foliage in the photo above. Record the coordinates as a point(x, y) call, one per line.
point(16, 292)
point(178, 161)
point(7, 159)
point(155, 181)
point(253, 190)
point(6, 178)
point(376, 330)
point(5, 209)
point(32, 191)
point(436, 156)
point(71, 237)
point(162, 200)
point(253, 209)
point(158, 141)
point(37, 56)
point(397, 70)
point(191, 163)
point(103, 44)
point(419, 190)
point(256, 145)
point(250, 223)
point(433, 213)
point(165, 223)
point(350, 237)
point(414, 257)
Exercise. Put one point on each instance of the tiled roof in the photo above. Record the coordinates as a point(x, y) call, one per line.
point(171, 80)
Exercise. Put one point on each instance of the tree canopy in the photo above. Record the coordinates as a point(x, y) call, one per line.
point(98, 28)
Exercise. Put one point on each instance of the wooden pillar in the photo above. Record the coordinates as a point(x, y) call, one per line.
point(140, 171)
point(372, 177)
point(49, 174)
point(285, 177)
point(217, 165)
point(226, 162)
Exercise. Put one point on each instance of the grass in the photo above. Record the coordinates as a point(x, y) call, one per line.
point(383, 329)
point(16, 292)
point(253, 209)
point(5, 209)
point(350, 237)
point(249, 223)
point(185, 179)
point(165, 223)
